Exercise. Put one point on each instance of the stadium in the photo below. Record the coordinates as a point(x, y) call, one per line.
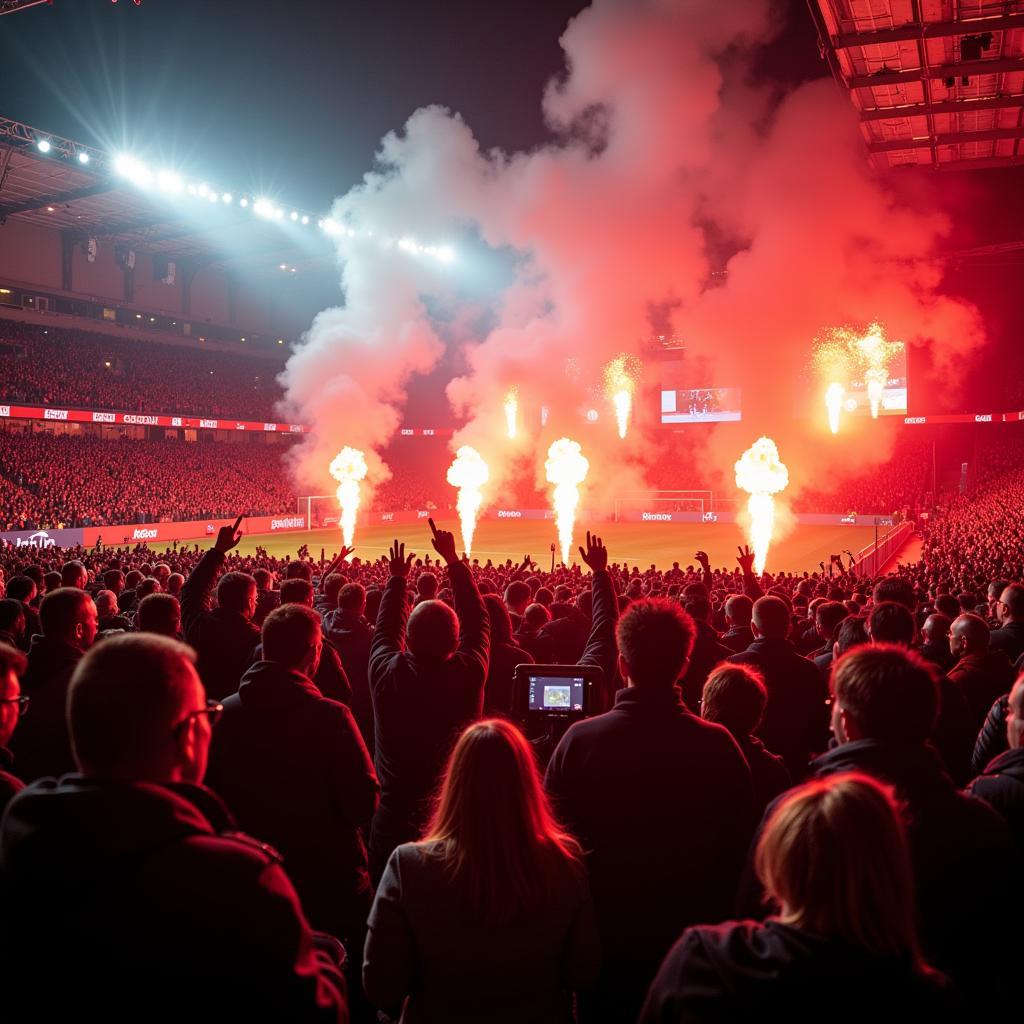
point(354, 371)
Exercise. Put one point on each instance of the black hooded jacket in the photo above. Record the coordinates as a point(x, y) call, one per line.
point(130, 901)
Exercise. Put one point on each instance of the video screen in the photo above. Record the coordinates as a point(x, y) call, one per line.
point(556, 693)
point(700, 405)
point(893, 400)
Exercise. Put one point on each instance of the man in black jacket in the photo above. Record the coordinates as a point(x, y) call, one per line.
point(885, 704)
point(660, 800)
point(980, 674)
point(294, 770)
point(425, 691)
point(795, 723)
point(133, 864)
point(1002, 782)
point(1009, 637)
point(69, 622)
point(738, 612)
point(224, 637)
point(348, 632)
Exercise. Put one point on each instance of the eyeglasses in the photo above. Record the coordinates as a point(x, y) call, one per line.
point(22, 702)
point(214, 709)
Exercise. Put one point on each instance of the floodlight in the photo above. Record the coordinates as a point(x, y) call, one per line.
point(227, 197)
point(204, 190)
point(244, 201)
point(294, 215)
point(43, 145)
point(305, 219)
point(83, 157)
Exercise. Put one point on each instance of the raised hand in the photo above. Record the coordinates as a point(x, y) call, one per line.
point(745, 558)
point(444, 543)
point(702, 558)
point(228, 537)
point(596, 555)
point(399, 562)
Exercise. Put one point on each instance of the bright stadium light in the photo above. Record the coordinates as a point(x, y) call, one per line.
point(203, 190)
point(227, 197)
point(293, 215)
point(43, 145)
point(168, 181)
point(83, 157)
point(244, 201)
point(446, 254)
point(263, 208)
point(279, 213)
point(305, 219)
point(190, 188)
point(213, 197)
point(134, 170)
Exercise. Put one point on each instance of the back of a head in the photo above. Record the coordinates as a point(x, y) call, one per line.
point(833, 855)
point(299, 571)
point(509, 853)
point(735, 696)
point(106, 603)
point(21, 588)
point(771, 617)
point(113, 579)
point(12, 616)
point(159, 613)
point(125, 698)
point(1013, 598)
point(536, 616)
point(501, 624)
point(827, 617)
point(947, 604)
point(73, 574)
point(517, 594)
point(52, 581)
point(297, 591)
point(544, 596)
point(289, 634)
point(174, 583)
point(739, 610)
point(895, 588)
point(891, 623)
point(889, 691)
point(655, 639)
point(352, 598)
point(263, 577)
point(133, 579)
point(426, 586)
point(698, 607)
point(973, 631)
point(852, 632)
point(936, 628)
point(150, 585)
point(332, 587)
point(433, 631)
point(233, 590)
point(60, 610)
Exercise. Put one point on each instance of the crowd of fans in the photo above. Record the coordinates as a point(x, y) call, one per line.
point(81, 369)
point(53, 481)
point(786, 792)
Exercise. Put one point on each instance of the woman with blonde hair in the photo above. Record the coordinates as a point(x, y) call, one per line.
point(843, 945)
point(488, 917)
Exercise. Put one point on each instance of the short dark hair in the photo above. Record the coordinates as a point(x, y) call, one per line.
point(299, 571)
point(698, 606)
point(158, 613)
point(10, 612)
point(352, 597)
point(125, 698)
point(891, 623)
point(828, 615)
point(263, 578)
point(889, 691)
point(735, 696)
point(296, 591)
point(332, 586)
point(655, 639)
point(501, 624)
point(852, 632)
point(71, 570)
point(233, 591)
point(895, 588)
point(517, 591)
point(426, 585)
point(60, 609)
point(739, 608)
point(12, 660)
point(113, 579)
point(21, 587)
point(289, 632)
point(771, 616)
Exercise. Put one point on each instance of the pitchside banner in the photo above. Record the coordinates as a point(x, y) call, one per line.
point(165, 533)
point(144, 419)
point(43, 538)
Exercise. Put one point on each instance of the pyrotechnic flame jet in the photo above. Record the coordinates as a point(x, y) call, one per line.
point(349, 469)
point(875, 351)
point(511, 411)
point(620, 379)
point(834, 394)
point(762, 475)
point(566, 468)
point(468, 472)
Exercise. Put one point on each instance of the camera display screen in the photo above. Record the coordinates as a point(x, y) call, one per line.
point(556, 693)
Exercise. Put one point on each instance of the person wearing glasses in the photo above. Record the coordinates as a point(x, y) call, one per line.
point(13, 704)
point(125, 890)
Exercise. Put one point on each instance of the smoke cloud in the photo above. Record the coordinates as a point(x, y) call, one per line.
point(667, 165)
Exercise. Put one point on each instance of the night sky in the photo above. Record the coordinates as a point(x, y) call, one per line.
point(291, 99)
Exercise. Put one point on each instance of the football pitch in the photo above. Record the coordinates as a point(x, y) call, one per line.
point(641, 544)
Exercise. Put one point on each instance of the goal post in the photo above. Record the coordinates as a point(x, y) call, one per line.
point(320, 510)
point(698, 501)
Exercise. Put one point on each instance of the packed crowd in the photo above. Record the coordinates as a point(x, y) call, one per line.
point(429, 845)
point(52, 481)
point(85, 370)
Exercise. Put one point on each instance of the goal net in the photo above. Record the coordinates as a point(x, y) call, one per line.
point(632, 504)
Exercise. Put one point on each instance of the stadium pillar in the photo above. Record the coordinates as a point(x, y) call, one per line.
point(67, 252)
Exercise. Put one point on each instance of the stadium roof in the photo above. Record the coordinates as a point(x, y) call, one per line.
point(937, 83)
point(63, 190)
